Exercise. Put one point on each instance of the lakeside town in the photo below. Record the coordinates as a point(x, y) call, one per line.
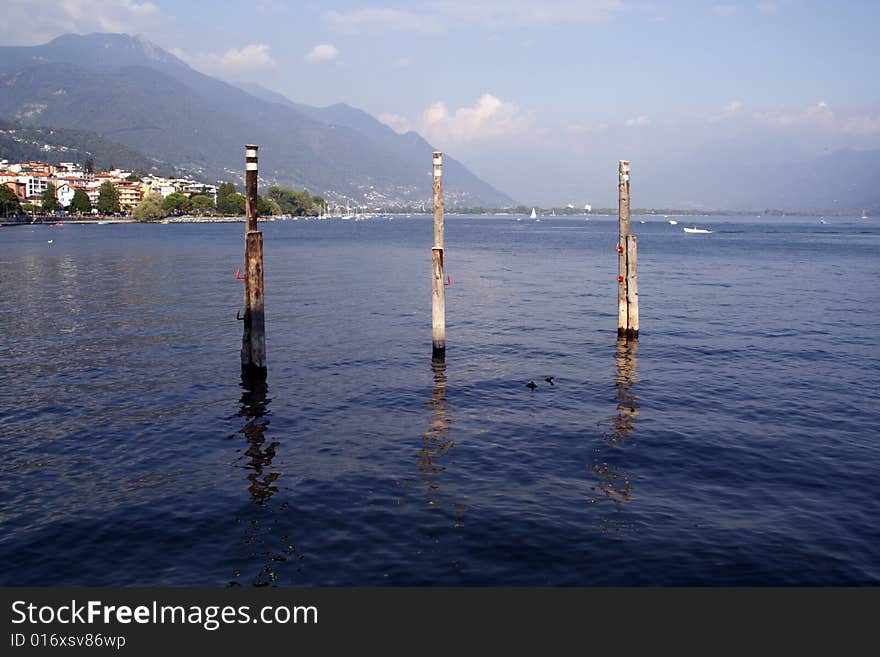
point(76, 190)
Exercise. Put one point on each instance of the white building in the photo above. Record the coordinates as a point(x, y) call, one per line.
point(35, 186)
point(64, 193)
point(71, 167)
point(192, 188)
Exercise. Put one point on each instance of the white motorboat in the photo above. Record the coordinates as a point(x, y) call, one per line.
point(696, 230)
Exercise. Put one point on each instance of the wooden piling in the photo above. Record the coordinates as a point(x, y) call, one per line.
point(632, 289)
point(438, 292)
point(253, 340)
point(623, 223)
point(627, 267)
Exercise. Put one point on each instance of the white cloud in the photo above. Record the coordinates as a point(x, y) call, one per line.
point(396, 122)
point(638, 121)
point(489, 118)
point(381, 19)
point(728, 111)
point(29, 22)
point(733, 107)
point(233, 64)
point(820, 119)
point(816, 115)
point(322, 53)
point(821, 116)
point(861, 125)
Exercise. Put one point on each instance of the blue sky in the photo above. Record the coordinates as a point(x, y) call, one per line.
point(541, 98)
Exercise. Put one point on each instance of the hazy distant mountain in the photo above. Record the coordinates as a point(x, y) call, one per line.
point(133, 92)
point(770, 175)
point(845, 179)
point(842, 180)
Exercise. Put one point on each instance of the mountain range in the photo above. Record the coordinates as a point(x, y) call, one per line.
point(770, 176)
point(27, 143)
point(131, 92)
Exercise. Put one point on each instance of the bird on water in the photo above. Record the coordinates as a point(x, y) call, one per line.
point(549, 380)
point(532, 385)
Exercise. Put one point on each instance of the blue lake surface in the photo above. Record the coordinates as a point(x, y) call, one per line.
point(737, 442)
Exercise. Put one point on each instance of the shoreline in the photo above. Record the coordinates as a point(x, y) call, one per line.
point(51, 221)
point(192, 219)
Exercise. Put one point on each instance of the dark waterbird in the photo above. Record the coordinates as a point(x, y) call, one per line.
point(549, 379)
point(532, 385)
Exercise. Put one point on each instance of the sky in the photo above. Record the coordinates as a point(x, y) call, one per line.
point(540, 98)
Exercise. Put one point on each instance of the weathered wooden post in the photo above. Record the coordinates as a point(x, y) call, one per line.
point(438, 294)
point(253, 340)
point(623, 231)
point(632, 288)
point(627, 272)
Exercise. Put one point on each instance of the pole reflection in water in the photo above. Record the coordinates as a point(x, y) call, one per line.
point(267, 544)
point(255, 407)
point(626, 359)
point(436, 443)
point(613, 481)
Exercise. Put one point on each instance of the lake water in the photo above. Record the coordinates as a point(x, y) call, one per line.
point(736, 443)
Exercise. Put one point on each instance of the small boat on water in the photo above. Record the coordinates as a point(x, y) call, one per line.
point(696, 230)
point(673, 222)
point(534, 214)
point(822, 221)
